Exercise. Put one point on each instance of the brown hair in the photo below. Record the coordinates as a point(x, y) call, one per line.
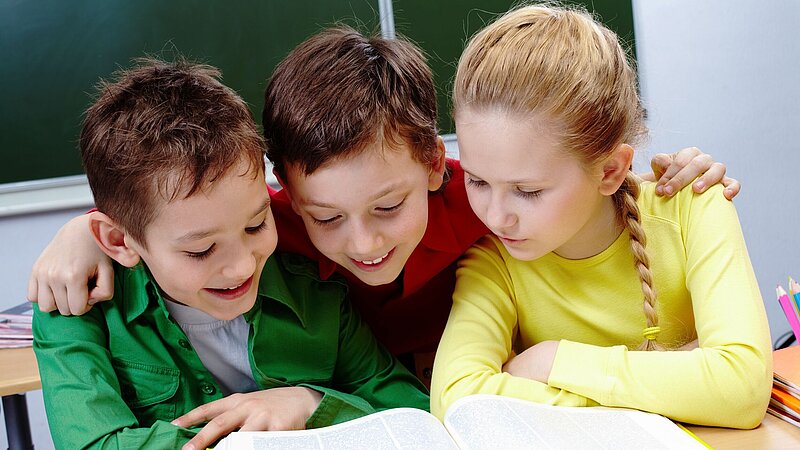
point(562, 63)
point(163, 128)
point(339, 91)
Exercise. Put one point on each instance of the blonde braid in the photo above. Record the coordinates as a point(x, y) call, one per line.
point(628, 213)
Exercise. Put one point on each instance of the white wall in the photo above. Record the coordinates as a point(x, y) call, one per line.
point(724, 76)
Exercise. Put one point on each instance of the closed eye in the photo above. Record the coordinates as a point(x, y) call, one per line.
point(475, 183)
point(256, 229)
point(390, 209)
point(324, 222)
point(203, 254)
point(529, 194)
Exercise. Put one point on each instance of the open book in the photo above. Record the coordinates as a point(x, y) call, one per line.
point(483, 422)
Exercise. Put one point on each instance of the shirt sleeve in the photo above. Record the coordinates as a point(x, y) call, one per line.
point(478, 339)
point(367, 377)
point(82, 394)
point(725, 382)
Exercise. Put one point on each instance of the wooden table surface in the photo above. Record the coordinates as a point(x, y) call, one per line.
point(18, 371)
point(773, 433)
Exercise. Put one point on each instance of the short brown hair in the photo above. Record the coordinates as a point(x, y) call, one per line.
point(163, 128)
point(339, 91)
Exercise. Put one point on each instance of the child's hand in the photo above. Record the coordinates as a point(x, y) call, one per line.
point(676, 170)
point(535, 363)
point(61, 276)
point(286, 408)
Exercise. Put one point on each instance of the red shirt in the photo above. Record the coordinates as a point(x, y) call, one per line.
point(407, 316)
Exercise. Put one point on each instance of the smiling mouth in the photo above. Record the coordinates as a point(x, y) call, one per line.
point(233, 292)
point(373, 264)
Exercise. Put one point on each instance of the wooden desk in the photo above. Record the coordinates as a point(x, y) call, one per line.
point(19, 374)
point(773, 433)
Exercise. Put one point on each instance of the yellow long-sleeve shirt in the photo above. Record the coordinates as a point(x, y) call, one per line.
point(706, 290)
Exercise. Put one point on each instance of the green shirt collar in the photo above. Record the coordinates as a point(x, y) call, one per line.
point(138, 286)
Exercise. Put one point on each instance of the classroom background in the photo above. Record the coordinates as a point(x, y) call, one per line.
point(718, 74)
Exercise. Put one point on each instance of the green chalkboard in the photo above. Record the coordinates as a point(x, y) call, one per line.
point(52, 52)
point(442, 29)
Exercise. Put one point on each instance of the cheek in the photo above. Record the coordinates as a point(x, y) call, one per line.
point(325, 240)
point(478, 202)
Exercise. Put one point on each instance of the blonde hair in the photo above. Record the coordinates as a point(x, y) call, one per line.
point(561, 63)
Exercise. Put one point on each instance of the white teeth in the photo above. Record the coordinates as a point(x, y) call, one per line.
point(374, 261)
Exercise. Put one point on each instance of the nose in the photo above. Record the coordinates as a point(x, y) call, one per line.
point(366, 239)
point(241, 264)
point(498, 214)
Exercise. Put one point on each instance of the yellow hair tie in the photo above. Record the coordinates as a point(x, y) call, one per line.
point(650, 333)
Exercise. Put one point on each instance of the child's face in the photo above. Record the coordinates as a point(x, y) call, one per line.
point(367, 212)
point(530, 193)
point(207, 251)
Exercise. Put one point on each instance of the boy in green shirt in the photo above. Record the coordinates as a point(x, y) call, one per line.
point(203, 308)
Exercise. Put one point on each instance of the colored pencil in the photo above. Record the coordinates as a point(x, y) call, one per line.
point(794, 291)
point(788, 311)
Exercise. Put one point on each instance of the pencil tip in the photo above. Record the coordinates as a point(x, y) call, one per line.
point(780, 291)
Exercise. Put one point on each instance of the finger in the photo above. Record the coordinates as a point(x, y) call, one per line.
point(677, 161)
point(220, 426)
point(104, 284)
point(659, 165)
point(33, 289)
point(61, 299)
point(78, 298)
point(732, 187)
point(713, 175)
point(47, 302)
point(203, 413)
point(688, 173)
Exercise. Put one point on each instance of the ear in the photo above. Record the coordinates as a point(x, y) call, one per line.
point(112, 239)
point(615, 169)
point(285, 188)
point(436, 175)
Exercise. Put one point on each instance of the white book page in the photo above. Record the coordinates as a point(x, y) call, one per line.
point(493, 422)
point(400, 428)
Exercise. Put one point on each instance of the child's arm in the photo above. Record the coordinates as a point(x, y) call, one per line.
point(478, 339)
point(82, 393)
point(59, 277)
point(724, 382)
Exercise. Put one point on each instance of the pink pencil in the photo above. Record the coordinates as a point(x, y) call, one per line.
point(788, 311)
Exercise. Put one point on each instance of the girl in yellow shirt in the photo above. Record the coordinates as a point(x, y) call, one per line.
point(592, 290)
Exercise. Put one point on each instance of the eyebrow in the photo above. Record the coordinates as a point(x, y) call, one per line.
point(380, 194)
point(201, 234)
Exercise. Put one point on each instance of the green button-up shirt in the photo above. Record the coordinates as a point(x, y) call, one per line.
point(116, 376)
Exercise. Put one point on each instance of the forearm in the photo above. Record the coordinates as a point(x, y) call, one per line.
point(717, 386)
point(159, 435)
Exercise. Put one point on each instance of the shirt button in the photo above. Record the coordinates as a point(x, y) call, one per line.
point(185, 344)
point(208, 388)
